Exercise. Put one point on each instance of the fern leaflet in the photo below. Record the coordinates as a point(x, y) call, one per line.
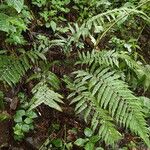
point(43, 94)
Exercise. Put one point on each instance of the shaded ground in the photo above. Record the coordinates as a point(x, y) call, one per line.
point(43, 129)
point(4, 134)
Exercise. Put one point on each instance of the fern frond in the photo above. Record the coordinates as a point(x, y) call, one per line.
point(43, 94)
point(101, 90)
point(79, 31)
point(101, 121)
point(118, 60)
point(114, 15)
point(50, 77)
point(12, 68)
point(109, 58)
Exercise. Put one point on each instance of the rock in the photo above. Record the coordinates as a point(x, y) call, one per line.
point(35, 143)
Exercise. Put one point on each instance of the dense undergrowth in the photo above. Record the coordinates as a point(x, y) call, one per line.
point(80, 54)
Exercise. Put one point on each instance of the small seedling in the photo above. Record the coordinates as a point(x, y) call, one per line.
point(24, 123)
point(88, 143)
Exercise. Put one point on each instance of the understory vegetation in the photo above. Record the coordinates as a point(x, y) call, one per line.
point(75, 74)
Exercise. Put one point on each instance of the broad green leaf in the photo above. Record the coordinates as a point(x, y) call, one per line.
point(18, 126)
point(3, 116)
point(88, 132)
point(18, 119)
point(80, 142)
point(43, 94)
point(18, 132)
point(99, 148)
point(89, 146)
point(20, 113)
point(31, 114)
point(25, 128)
point(28, 120)
point(57, 143)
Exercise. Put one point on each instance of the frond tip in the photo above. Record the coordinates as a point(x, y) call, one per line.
point(43, 94)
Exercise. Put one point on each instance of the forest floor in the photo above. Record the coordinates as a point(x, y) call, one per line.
point(65, 122)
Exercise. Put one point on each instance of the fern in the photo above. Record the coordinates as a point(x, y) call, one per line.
point(76, 33)
point(110, 58)
point(115, 16)
point(104, 98)
point(101, 121)
point(116, 60)
point(16, 4)
point(43, 94)
point(13, 68)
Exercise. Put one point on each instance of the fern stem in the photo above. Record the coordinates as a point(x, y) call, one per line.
point(104, 33)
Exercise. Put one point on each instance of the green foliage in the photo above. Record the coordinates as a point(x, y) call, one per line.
point(144, 76)
point(106, 21)
point(145, 102)
point(122, 45)
point(56, 143)
point(43, 94)
point(117, 15)
point(87, 9)
point(52, 9)
point(14, 27)
point(16, 4)
point(23, 123)
point(44, 91)
point(105, 99)
point(13, 68)
point(14, 22)
point(42, 44)
point(75, 39)
point(89, 142)
point(120, 60)
point(117, 60)
point(23, 119)
point(99, 24)
point(4, 116)
point(1, 100)
point(39, 3)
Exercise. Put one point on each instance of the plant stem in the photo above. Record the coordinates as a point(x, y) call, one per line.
point(104, 33)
